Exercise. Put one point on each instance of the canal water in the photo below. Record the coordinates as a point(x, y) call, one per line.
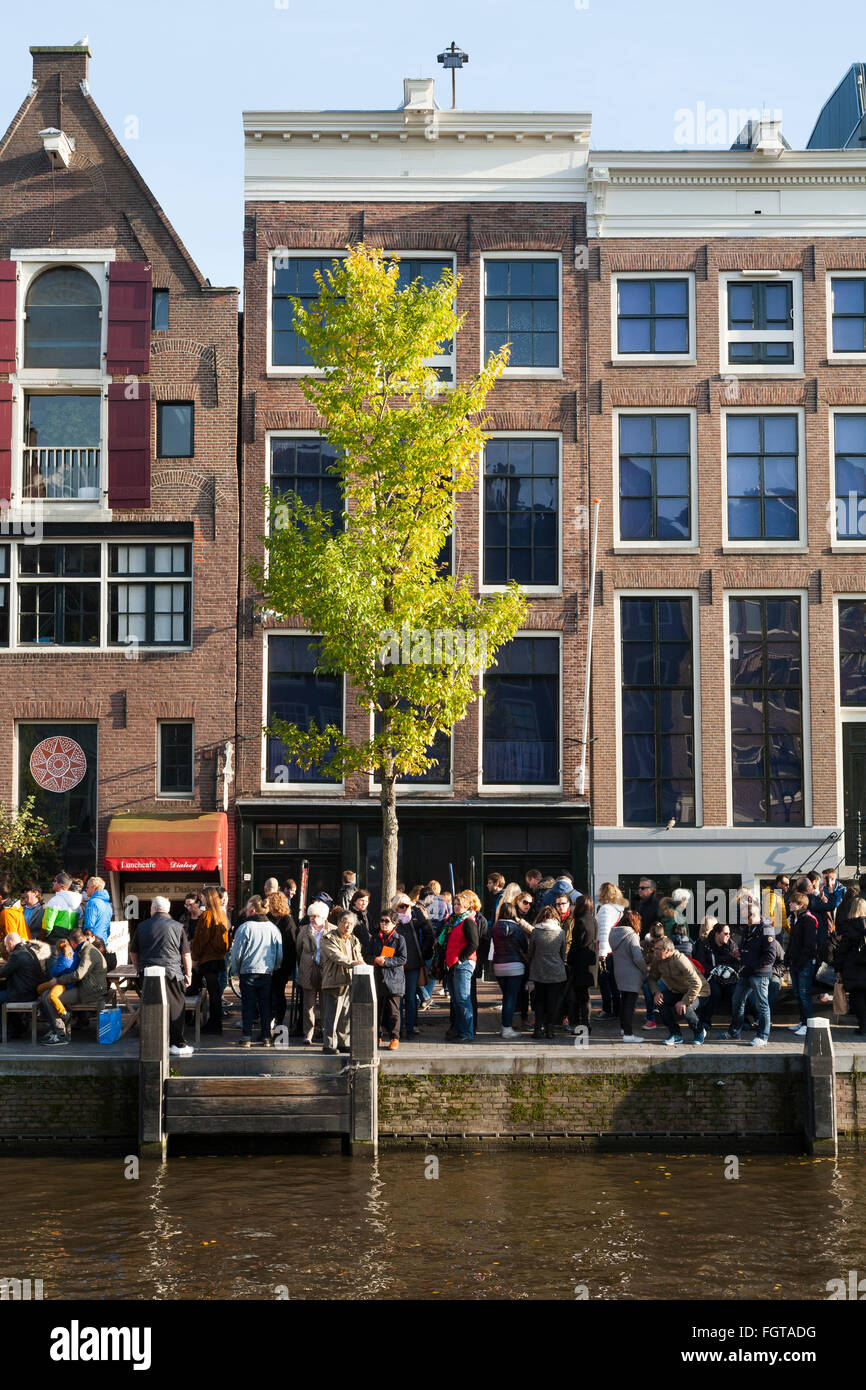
point(523, 1225)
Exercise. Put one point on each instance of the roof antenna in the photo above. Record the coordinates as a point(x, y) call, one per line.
point(453, 58)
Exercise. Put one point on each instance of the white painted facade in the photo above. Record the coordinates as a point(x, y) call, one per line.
point(415, 154)
point(730, 193)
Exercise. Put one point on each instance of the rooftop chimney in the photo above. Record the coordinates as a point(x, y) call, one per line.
point(70, 62)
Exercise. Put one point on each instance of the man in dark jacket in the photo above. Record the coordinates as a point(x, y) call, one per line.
point(801, 955)
point(20, 973)
point(160, 940)
point(757, 958)
point(414, 925)
point(347, 890)
point(387, 953)
point(646, 902)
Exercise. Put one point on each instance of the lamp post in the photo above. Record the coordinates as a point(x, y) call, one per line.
point(453, 58)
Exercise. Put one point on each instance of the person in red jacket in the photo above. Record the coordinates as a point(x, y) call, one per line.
point(461, 956)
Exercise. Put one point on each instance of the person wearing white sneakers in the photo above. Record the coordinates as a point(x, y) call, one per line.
point(629, 970)
point(801, 955)
point(510, 954)
point(684, 984)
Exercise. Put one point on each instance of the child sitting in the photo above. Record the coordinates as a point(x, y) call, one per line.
point(65, 960)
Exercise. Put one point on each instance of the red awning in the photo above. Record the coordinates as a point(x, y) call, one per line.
point(168, 844)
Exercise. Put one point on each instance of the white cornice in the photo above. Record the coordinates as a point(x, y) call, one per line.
point(557, 125)
point(700, 193)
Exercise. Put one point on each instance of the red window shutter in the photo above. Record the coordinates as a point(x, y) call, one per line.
point(129, 313)
point(129, 445)
point(8, 287)
point(5, 442)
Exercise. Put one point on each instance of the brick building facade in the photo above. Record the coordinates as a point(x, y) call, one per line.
point(500, 199)
point(118, 470)
point(727, 399)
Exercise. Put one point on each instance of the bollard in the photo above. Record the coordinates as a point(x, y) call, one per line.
point(364, 1061)
point(820, 1090)
point(152, 1063)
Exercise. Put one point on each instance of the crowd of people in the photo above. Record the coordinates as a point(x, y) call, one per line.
point(547, 946)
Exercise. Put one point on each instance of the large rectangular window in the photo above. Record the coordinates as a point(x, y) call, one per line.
point(293, 276)
point(430, 269)
point(521, 714)
point(175, 766)
point(762, 477)
point(149, 595)
point(655, 478)
point(521, 307)
point(61, 449)
point(303, 465)
point(521, 511)
point(298, 694)
point(58, 595)
point(852, 651)
point(848, 299)
point(652, 316)
point(760, 322)
point(658, 718)
point(766, 711)
point(849, 435)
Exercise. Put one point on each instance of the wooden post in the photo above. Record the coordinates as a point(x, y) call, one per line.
point(364, 1060)
point(152, 1063)
point(820, 1090)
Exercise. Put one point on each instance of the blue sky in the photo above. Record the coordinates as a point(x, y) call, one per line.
point(187, 69)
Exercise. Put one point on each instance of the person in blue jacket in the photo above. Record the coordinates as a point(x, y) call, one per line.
point(97, 909)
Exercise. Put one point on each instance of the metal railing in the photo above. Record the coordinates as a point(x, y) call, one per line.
point(58, 473)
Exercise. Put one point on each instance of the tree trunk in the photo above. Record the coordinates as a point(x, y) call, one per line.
point(388, 798)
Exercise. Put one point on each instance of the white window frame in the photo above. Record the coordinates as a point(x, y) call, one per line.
point(658, 359)
point(839, 544)
point(330, 788)
point(424, 790)
point(539, 373)
point(771, 591)
point(530, 788)
point(857, 359)
point(692, 545)
point(291, 253)
point(843, 714)
point(60, 380)
point(104, 582)
point(761, 335)
point(801, 544)
point(443, 359)
point(692, 594)
point(540, 590)
point(173, 796)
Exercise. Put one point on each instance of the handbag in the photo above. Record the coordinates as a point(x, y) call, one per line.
point(423, 977)
point(840, 999)
point(826, 975)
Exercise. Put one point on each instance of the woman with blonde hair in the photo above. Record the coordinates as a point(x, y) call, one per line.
point(611, 905)
point(208, 950)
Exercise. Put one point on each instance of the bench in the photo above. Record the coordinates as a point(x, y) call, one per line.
point(30, 1006)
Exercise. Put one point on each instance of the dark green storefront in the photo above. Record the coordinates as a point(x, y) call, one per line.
point(475, 838)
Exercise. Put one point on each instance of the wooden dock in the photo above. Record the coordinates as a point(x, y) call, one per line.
point(274, 1092)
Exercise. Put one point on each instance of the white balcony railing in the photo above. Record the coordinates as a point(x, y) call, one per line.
point(62, 474)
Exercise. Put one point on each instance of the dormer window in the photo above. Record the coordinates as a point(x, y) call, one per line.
point(63, 325)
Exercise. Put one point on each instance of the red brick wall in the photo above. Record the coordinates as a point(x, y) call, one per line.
point(514, 404)
point(702, 387)
point(99, 201)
